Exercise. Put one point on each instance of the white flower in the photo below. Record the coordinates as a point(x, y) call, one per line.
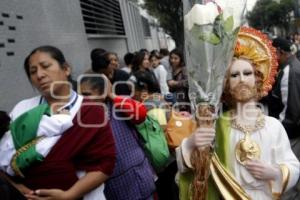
point(201, 15)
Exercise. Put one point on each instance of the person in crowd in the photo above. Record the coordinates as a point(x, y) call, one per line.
point(141, 65)
point(178, 81)
point(97, 51)
point(294, 40)
point(159, 71)
point(128, 57)
point(117, 77)
point(141, 61)
point(255, 163)
point(83, 150)
point(114, 60)
point(145, 51)
point(133, 176)
point(164, 54)
point(283, 100)
point(146, 91)
point(287, 89)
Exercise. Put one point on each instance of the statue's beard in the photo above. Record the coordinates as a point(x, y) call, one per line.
point(243, 93)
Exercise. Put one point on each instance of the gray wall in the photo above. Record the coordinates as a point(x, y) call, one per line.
point(133, 25)
point(58, 23)
point(53, 22)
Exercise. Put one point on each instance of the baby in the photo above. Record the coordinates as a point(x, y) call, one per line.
point(50, 130)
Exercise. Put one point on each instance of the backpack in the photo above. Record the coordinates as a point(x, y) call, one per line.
point(178, 128)
point(154, 142)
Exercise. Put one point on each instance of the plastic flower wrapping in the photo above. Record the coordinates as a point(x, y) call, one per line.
point(211, 29)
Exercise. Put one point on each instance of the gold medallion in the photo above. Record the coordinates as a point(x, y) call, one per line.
point(247, 149)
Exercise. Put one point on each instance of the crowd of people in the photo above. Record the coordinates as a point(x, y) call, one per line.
point(85, 139)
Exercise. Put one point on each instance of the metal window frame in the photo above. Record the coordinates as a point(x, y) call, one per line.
point(146, 27)
point(102, 18)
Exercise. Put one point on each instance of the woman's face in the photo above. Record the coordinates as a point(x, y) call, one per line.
point(108, 72)
point(174, 60)
point(114, 60)
point(145, 63)
point(47, 75)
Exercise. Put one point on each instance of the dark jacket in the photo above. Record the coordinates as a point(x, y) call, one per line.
point(291, 121)
point(122, 77)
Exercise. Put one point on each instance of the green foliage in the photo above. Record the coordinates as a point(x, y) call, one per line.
point(228, 24)
point(221, 29)
point(169, 14)
point(269, 13)
point(211, 38)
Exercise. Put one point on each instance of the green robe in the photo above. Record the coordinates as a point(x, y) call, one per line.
point(223, 129)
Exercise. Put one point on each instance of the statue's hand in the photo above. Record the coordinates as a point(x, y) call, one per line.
point(202, 137)
point(263, 171)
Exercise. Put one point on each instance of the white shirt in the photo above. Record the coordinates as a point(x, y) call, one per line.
point(126, 69)
point(284, 91)
point(161, 75)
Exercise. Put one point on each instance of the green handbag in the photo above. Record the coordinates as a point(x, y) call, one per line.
point(154, 142)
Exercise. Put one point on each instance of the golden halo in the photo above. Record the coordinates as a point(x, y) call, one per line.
point(257, 47)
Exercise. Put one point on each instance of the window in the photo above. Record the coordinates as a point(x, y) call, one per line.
point(146, 27)
point(102, 17)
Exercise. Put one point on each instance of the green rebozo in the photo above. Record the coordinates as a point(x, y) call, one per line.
point(24, 134)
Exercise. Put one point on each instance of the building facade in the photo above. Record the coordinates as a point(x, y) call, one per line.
point(74, 26)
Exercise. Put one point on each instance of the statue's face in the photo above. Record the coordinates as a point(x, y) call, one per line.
point(242, 81)
point(241, 71)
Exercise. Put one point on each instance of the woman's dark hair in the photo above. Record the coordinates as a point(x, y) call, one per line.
point(54, 52)
point(95, 82)
point(4, 123)
point(146, 80)
point(100, 61)
point(138, 60)
point(180, 55)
